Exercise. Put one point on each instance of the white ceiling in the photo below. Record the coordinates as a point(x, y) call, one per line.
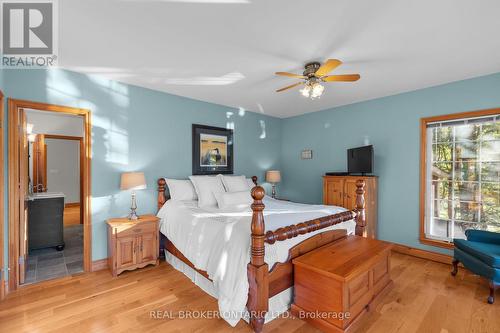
point(226, 51)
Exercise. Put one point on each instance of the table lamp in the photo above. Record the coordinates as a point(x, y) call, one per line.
point(133, 181)
point(273, 177)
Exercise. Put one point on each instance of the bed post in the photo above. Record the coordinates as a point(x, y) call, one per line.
point(254, 179)
point(258, 292)
point(360, 208)
point(161, 192)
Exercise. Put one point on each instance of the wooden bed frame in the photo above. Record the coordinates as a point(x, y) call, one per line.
point(265, 283)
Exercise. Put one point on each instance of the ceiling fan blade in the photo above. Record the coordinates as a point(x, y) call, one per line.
point(327, 67)
point(298, 76)
point(290, 86)
point(345, 77)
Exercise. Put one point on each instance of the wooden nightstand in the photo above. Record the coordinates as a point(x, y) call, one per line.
point(132, 244)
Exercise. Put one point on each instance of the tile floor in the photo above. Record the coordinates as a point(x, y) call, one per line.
point(45, 264)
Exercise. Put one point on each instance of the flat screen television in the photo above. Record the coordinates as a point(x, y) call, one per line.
point(360, 160)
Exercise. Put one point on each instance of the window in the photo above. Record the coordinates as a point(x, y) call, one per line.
point(460, 182)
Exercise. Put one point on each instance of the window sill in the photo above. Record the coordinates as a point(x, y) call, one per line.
point(438, 243)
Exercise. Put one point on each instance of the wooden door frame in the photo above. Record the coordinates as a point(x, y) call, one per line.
point(2, 242)
point(14, 106)
point(39, 143)
point(81, 161)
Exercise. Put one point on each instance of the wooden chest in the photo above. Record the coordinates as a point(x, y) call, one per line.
point(336, 284)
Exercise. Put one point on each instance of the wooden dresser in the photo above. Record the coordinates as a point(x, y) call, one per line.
point(132, 244)
point(341, 191)
point(336, 284)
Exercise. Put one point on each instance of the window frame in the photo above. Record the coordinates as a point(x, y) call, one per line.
point(423, 165)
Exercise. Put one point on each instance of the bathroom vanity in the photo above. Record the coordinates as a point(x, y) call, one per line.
point(45, 220)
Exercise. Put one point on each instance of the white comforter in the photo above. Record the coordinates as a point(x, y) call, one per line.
point(218, 242)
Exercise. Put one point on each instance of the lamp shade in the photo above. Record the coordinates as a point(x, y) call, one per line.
point(133, 181)
point(273, 176)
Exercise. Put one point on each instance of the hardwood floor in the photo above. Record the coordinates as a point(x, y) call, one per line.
point(71, 215)
point(425, 298)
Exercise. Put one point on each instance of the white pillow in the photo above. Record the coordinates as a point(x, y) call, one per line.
point(181, 189)
point(250, 183)
point(233, 199)
point(234, 183)
point(205, 187)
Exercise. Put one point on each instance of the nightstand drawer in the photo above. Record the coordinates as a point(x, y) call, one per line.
point(135, 229)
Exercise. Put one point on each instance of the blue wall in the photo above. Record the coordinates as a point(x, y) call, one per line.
point(140, 129)
point(392, 125)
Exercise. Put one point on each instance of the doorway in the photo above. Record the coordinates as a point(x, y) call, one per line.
point(56, 162)
point(54, 226)
point(49, 175)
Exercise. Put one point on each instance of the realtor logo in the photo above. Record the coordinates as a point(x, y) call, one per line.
point(28, 33)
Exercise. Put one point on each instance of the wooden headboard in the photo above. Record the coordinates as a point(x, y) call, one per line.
point(163, 197)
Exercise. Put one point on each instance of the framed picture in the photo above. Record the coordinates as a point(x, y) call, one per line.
point(212, 150)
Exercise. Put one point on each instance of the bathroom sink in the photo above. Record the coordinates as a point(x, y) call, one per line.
point(45, 195)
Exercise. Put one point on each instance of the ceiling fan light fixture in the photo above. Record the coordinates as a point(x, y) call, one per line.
point(317, 91)
point(312, 90)
point(314, 74)
point(306, 91)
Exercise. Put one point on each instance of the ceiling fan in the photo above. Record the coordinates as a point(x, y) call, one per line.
point(314, 74)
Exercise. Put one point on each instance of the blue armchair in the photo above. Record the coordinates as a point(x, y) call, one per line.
point(480, 254)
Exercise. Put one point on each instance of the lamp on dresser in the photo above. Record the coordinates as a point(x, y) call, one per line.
point(133, 181)
point(273, 177)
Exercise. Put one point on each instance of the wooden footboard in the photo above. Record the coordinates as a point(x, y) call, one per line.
point(265, 283)
point(262, 283)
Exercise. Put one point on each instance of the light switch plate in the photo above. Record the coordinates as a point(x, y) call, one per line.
point(306, 154)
